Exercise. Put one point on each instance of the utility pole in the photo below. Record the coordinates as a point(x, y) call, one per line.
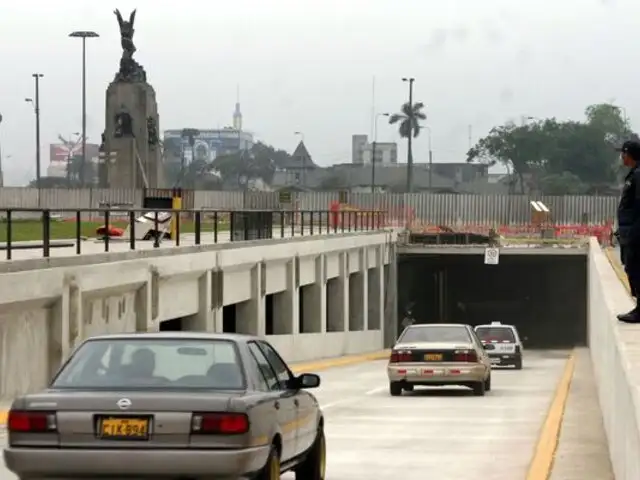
point(410, 80)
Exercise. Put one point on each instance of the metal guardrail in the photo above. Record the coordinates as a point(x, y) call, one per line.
point(241, 225)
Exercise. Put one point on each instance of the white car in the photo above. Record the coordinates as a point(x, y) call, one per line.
point(505, 338)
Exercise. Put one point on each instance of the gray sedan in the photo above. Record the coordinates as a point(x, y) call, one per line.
point(169, 406)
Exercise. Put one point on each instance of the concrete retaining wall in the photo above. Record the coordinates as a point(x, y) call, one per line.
point(45, 313)
point(615, 351)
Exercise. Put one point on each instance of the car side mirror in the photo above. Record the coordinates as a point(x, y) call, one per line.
point(489, 346)
point(308, 380)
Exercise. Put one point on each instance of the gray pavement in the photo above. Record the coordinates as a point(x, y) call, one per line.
point(445, 434)
point(583, 453)
point(93, 246)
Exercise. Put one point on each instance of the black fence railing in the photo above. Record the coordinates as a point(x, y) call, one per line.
point(44, 229)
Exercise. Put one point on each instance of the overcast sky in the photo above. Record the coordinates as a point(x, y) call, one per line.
point(308, 66)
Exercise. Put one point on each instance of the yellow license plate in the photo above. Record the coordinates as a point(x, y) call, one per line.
point(433, 357)
point(127, 428)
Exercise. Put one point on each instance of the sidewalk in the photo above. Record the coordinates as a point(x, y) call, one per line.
point(582, 453)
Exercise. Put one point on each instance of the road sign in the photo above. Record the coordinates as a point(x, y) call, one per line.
point(491, 256)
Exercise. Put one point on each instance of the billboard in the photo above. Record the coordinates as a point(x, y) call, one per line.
point(59, 153)
point(208, 144)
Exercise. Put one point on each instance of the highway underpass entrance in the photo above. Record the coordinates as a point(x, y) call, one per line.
point(543, 292)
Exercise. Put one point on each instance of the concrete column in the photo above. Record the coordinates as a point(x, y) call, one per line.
point(204, 320)
point(337, 292)
point(286, 305)
point(315, 300)
point(376, 293)
point(358, 298)
point(390, 323)
point(250, 315)
point(142, 305)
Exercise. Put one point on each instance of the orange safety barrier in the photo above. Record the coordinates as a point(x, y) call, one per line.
point(602, 232)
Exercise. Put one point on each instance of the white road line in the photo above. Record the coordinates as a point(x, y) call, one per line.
point(353, 399)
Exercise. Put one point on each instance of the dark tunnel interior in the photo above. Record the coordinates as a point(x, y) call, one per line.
point(544, 296)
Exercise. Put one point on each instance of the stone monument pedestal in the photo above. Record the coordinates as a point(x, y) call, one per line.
point(131, 136)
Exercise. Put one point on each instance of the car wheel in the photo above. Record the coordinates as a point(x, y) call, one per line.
point(271, 470)
point(478, 389)
point(315, 463)
point(518, 364)
point(487, 384)
point(395, 389)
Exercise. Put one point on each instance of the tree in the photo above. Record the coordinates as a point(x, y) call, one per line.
point(559, 157)
point(409, 127)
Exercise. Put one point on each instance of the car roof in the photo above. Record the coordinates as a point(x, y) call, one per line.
point(236, 337)
point(421, 325)
point(495, 325)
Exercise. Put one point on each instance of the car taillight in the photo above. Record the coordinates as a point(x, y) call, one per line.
point(31, 422)
point(400, 356)
point(465, 356)
point(219, 423)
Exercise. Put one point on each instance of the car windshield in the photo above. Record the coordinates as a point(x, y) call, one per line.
point(435, 333)
point(153, 364)
point(495, 334)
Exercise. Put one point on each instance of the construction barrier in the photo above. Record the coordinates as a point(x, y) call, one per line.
point(345, 216)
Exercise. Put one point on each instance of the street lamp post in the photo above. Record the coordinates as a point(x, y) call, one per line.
point(410, 80)
point(36, 109)
point(373, 150)
point(84, 35)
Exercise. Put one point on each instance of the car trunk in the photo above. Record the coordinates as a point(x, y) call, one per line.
point(132, 419)
point(427, 352)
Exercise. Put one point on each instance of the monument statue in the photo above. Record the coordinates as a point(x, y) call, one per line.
point(132, 124)
point(130, 70)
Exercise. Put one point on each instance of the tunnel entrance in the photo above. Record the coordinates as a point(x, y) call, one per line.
point(543, 295)
point(171, 325)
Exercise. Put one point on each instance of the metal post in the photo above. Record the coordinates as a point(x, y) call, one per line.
point(84, 112)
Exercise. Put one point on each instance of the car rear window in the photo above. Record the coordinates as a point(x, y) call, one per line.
point(435, 333)
point(153, 364)
point(495, 334)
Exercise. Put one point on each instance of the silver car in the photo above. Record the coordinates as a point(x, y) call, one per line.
point(439, 354)
point(169, 405)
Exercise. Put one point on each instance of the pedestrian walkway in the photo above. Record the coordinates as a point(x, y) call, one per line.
point(582, 453)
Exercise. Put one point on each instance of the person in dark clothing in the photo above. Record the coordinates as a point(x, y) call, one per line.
point(629, 224)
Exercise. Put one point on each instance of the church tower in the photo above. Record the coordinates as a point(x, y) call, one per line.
point(237, 115)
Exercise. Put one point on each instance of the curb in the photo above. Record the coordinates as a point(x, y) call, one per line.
point(302, 367)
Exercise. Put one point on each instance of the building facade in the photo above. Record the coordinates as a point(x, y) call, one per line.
point(362, 151)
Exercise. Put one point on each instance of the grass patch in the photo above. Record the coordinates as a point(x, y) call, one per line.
point(29, 230)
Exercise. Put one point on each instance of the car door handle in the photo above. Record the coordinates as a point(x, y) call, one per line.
point(296, 402)
point(277, 405)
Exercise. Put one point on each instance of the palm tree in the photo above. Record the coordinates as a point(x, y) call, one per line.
point(409, 119)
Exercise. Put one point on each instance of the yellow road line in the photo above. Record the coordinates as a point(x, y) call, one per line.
point(303, 367)
point(542, 463)
point(618, 269)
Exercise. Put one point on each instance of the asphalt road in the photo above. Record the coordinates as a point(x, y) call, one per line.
point(446, 434)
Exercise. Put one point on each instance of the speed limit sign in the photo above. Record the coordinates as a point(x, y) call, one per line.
point(491, 256)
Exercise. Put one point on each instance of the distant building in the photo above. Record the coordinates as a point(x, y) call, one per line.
point(299, 171)
point(386, 153)
point(208, 145)
point(61, 153)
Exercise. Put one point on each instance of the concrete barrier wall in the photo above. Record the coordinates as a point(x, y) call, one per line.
point(615, 351)
point(45, 313)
